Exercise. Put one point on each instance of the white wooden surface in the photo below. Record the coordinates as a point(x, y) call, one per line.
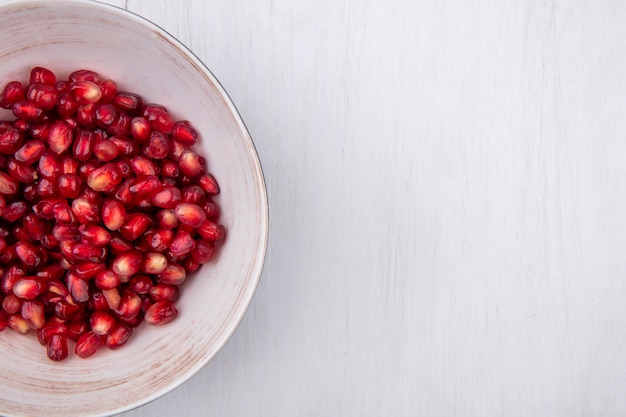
point(447, 186)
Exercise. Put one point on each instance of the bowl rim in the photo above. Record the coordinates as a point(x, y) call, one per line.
point(240, 311)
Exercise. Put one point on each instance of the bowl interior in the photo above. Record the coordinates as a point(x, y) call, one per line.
point(69, 35)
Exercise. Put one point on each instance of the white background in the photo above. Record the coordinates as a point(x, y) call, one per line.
point(447, 189)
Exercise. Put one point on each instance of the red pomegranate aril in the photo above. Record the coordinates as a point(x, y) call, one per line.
point(67, 310)
point(30, 152)
point(182, 243)
point(86, 115)
point(190, 214)
point(48, 329)
point(29, 287)
point(49, 165)
point(65, 233)
point(10, 276)
point(51, 272)
point(169, 169)
point(105, 115)
point(97, 301)
point(127, 264)
point(125, 147)
point(28, 254)
point(109, 90)
point(135, 225)
point(106, 151)
point(20, 235)
point(40, 131)
point(85, 92)
point(88, 344)
point(118, 244)
point(128, 102)
point(89, 253)
point(176, 150)
point(88, 270)
point(8, 185)
point(79, 288)
point(15, 211)
point(121, 125)
point(212, 210)
point(191, 265)
point(166, 197)
point(112, 297)
point(113, 214)
point(166, 219)
point(28, 111)
point(42, 95)
point(184, 133)
point(69, 164)
point(19, 324)
point(63, 213)
point(95, 235)
point(160, 240)
point(193, 194)
point(85, 211)
point(161, 312)
point(66, 105)
point(77, 327)
point(8, 255)
point(105, 178)
point(21, 172)
point(129, 306)
point(144, 185)
point(140, 284)
point(46, 188)
point(143, 166)
point(101, 322)
point(203, 251)
point(140, 129)
point(85, 169)
point(191, 164)
point(158, 146)
point(61, 136)
point(69, 185)
point(84, 75)
point(173, 274)
point(122, 192)
point(72, 123)
point(118, 336)
point(35, 227)
point(214, 232)
point(11, 139)
point(12, 93)
point(154, 263)
point(43, 76)
point(107, 279)
point(12, 304)
point(57, 347)
point(83, 145)
point(33, 313)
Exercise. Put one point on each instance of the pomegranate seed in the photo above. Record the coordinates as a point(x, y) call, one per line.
point(122, 192)
point(101, 322)
point(85, 211)
point(129, 306)
point(212, 210)
point(11, 94)
point(84, 75)
point(33, 313)
point(125, 146)
point(113, 214)
point(77, 327)
point(166, 197)
point(112, 297)
point(118, 336)
point(154, 263)
point(57, 347)
point(105, 178)
point(86, 115)
point(19, 324)
point(58, 288)
point(94, 197)
point(63, 213)
point(161, 312)
point(28, 111)
point(40, 131)
point(159, 240)
point(45, 332)
point(85, 92)
point(8, 185)
point(190, 214)
point(194, 194)
point(127, 264)
point(65, 233)
point(109, 90)
point(61, 136)
point(28, 254)
point(121, 125)
point(158, 146)
point(8, 255)
point(172, 275)
point(11, 139)
point(140, 129)
point(89, 253)
point(12, 304)
point(30, 152)
point(118, 244)
point(143, 166)
point(105, 150)
point(184, 133)
point(10, 276)
point(29, 287)
point(79, 289)
point(87, 344)
point(66, 310)
point(66, 105)
point(95, 235)
point(176, 150)
point(83, 145)
point(85, 169)
point(135, 225)
point(190, 264)
point(15, 211)
point(140, 284)
point(182, 244)
point(87, 270)
point(169, 169)
point(69, 185)
point(46, 188)
point(107, 279)
point(191, 164)
point(105, 115)
point(144, 185)
point(203, 251)
point(43, 76)
point(128, 102)
point(42, 95)
point(69, 164)
point(214, 232)
point(21, 172)
point(158, 117)
point(35, 227)
point(97, 301)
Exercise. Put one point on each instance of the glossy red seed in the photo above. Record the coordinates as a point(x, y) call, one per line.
point(166, 219)
point(213, 232)
point(144, 185)
point(11, 139)
point(88, 270)
point(182, 244)
point(121, 125)
point(140, 129)
point(160, 240)
point(161, 312)
point(42, 95)
point(166, 197)
point(86, 115)
point(105, 178)
point(143, 166)
point(35, 227)
point(33, 312)
point(190, 214)
point(140, 284)
point(105, 151)
point(135, 225)
point(61, 136)
point(97, 301)
point(173, 274)
point(45, 332)
point(28, 287)
point(42, 75)
point(190, 163)
point(89, 253)
point(154, 263)
point(65, 233)
point(19, 324)
point(12, 304)
point(203, 252)
point(57, 347)
point(109, 90)
point(105, 115)
point(66, 105)
point(125, 146)
point(194, 194)
point(67, 310)
point(69, 164)
point(107, 279)
point(158, 146)
point(8, 185)
point(28, 254)
point(88, 344)
point(28, 111)
point(94, 234)
point(83, 145)
point(46, 188)
point(212, 210)
point(85, 92)
point(118, 336)
point(183, 132)
point(30, 152)
point(127, 263)
point(84, 75)
point(85, 211)
point(128, 102)
point(63, 213)
point(22, 172)
point(101, 322)
point(12, 93)
point(112, 297)
point(129, 306)
point(113, 214)
point(49, 165)
point(69, 185)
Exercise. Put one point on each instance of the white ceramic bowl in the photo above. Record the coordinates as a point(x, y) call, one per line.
point(68, 35)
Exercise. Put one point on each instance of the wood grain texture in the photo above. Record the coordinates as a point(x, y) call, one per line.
point(447, 195)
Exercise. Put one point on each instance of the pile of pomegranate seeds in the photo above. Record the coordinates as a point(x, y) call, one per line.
point(104, 211)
